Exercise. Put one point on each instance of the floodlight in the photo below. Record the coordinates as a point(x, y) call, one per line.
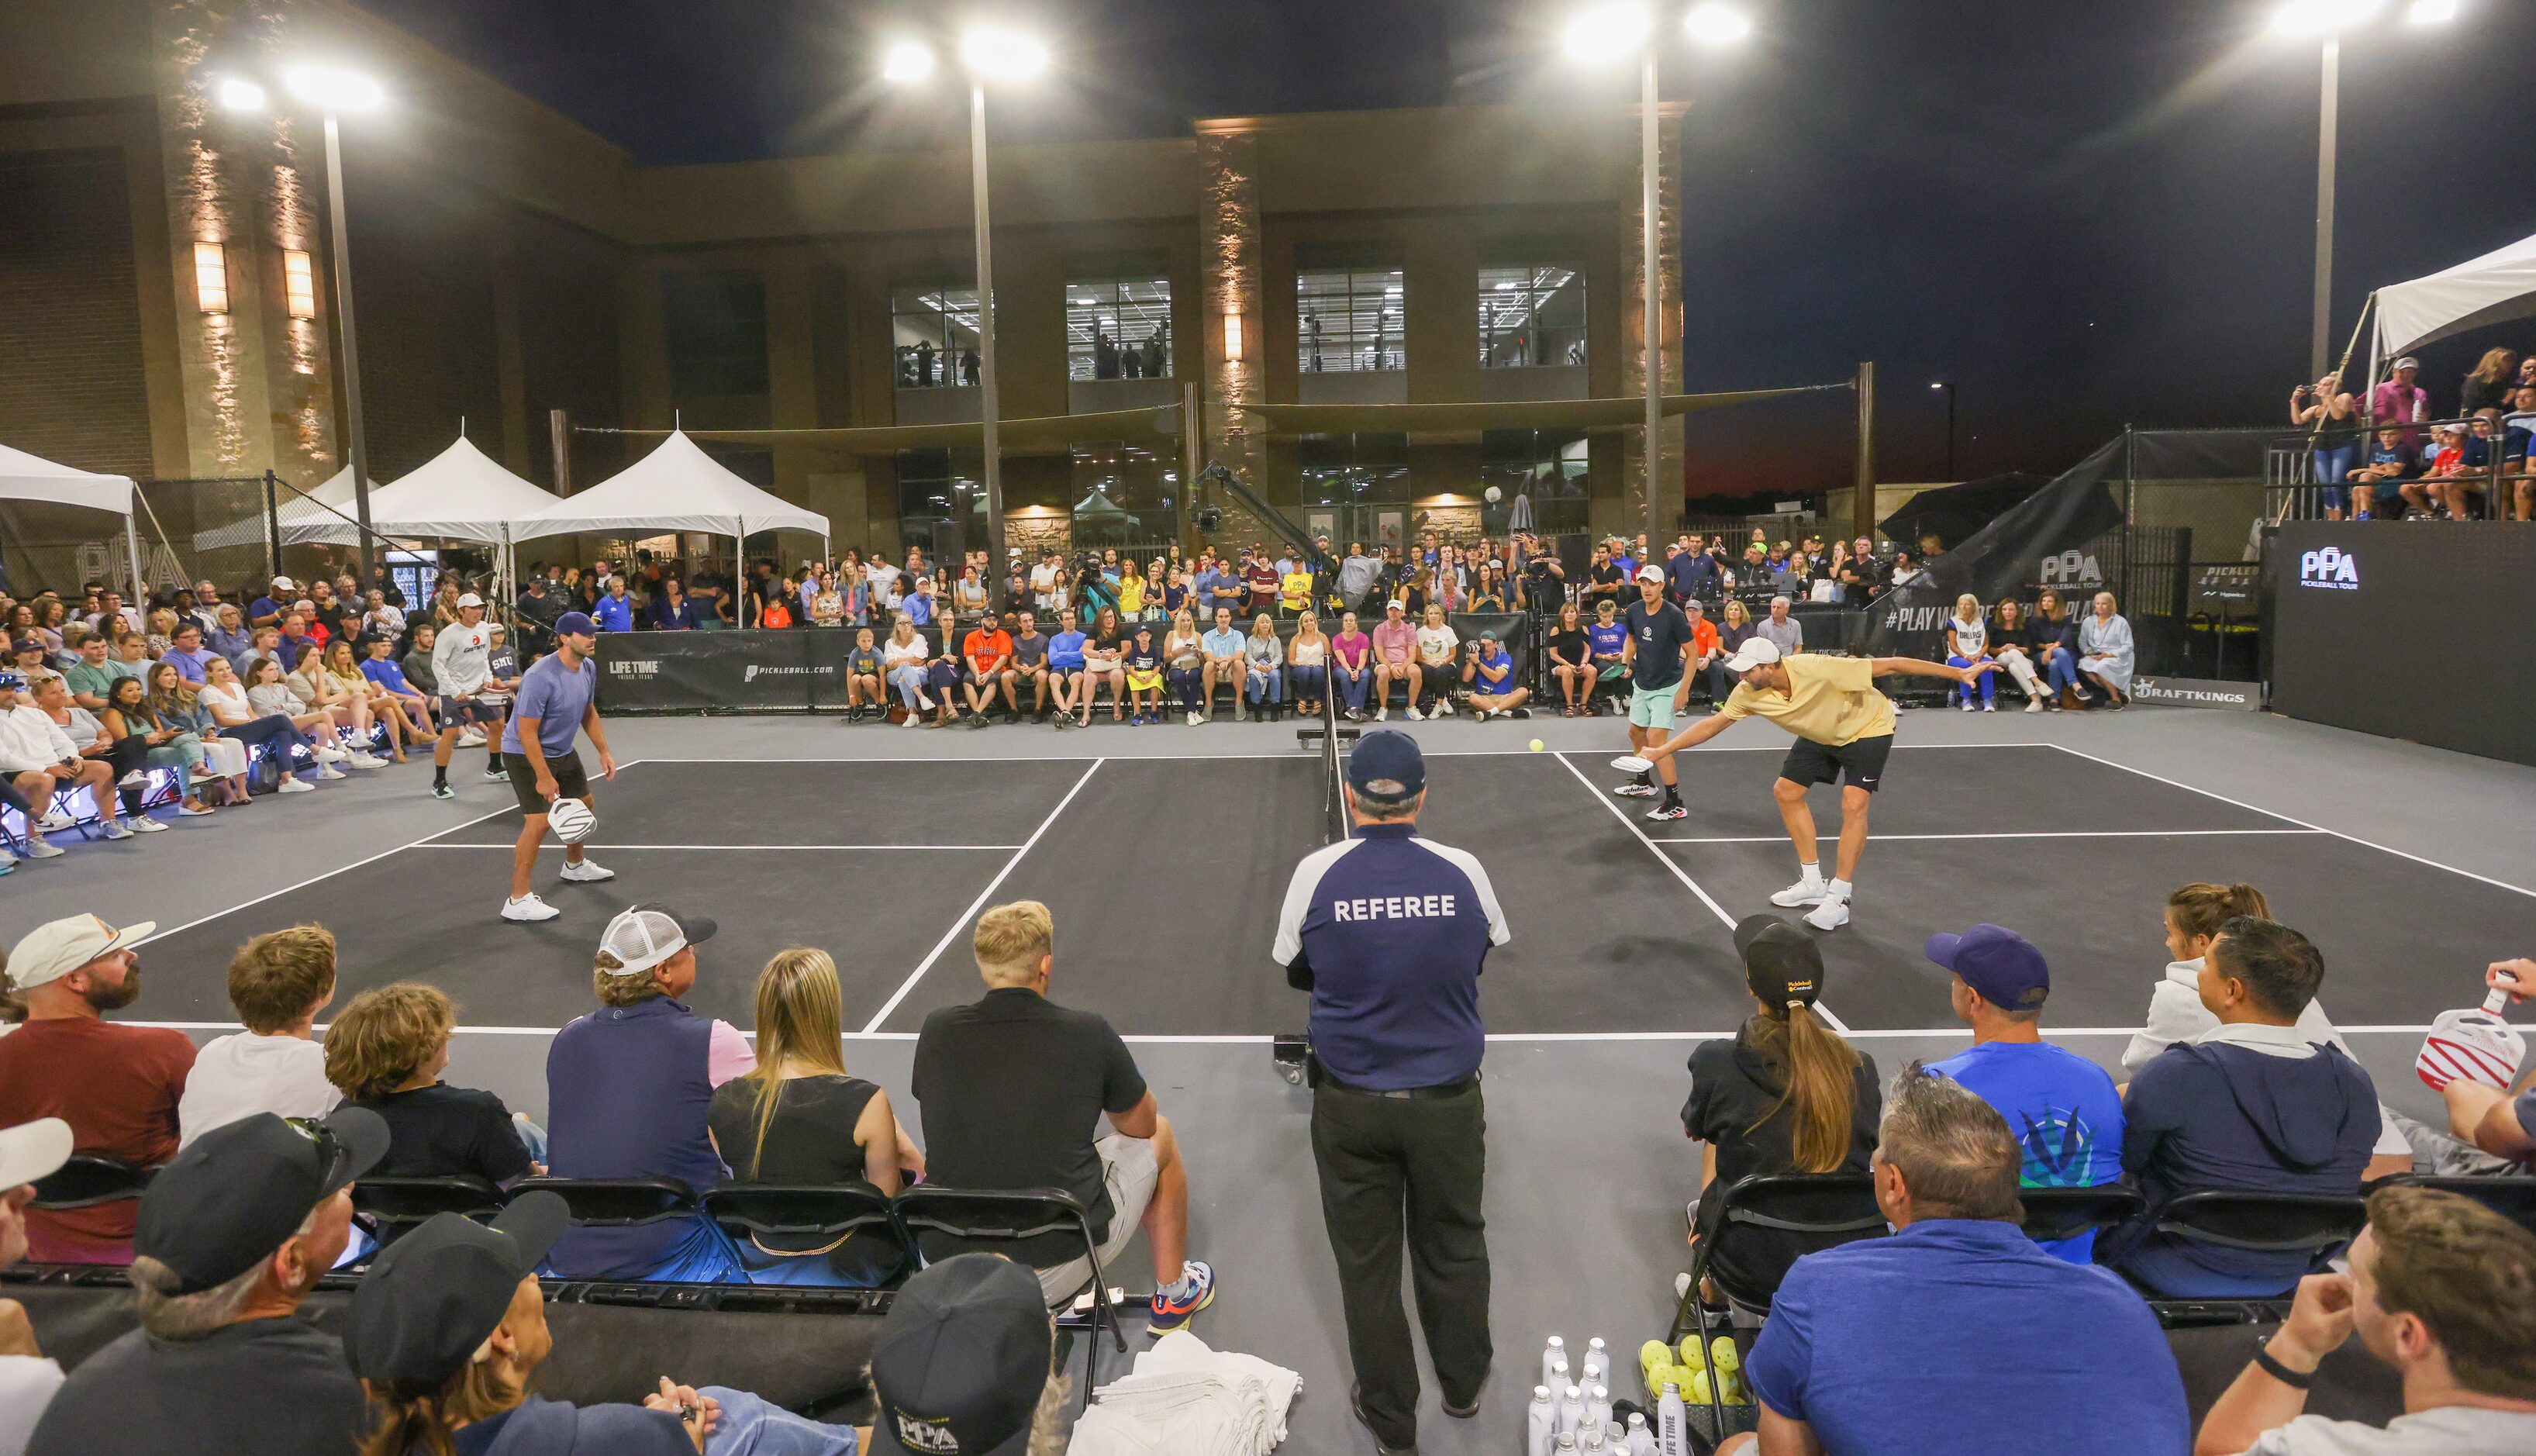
point(998, 54)
point(1712, 24)
point(335, 90)
point(234, 95)
point(2433, 11)
point(2322, 17)
point(1607, 31)
point(906, 61)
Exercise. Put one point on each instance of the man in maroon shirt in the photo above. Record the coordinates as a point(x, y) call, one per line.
point(117, 1086)
point(1259, 574)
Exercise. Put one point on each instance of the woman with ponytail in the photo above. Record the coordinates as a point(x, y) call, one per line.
point(1787, 1095)
point(799, 1118)
point(2193, 915)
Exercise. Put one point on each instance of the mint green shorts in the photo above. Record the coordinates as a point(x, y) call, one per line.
point(1651, 707)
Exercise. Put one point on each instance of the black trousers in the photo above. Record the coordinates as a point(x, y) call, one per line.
point(1413, 1165)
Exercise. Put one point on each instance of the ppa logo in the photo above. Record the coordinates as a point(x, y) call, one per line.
point(2072, 569)
point(2330, 567)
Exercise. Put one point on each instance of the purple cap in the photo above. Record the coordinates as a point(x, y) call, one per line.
point(576, 624)
point(2000, 964)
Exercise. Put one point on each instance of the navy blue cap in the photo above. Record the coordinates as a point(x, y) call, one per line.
point(1386, 765)
point(576, 624)
point(1997, 962)
point(11, 680)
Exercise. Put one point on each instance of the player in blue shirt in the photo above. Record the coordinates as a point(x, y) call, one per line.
point(2062, 1108)
point(557, 702)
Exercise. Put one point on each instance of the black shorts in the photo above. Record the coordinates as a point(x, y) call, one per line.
point(570, 781)
point(469, 710)
point(1861, 762)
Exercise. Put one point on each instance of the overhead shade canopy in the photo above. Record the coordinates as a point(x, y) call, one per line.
point(324, 516)
point(25, 476)
point(675, 487)
point(2494, 288)
point(1468, 418)
point(1952, 513)
point(1043, 435)
point(459, 493)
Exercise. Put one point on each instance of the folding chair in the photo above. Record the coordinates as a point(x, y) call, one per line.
point(942, 1221)
point(1817, 1210)
point(2316, 1225)
point(830, 1215)
point(617, 1203)
point(88, 1180)
point(392, 1206)
point(2512, 1197)
point(2054, 1214)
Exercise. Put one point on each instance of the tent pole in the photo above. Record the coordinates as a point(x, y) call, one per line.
point(132, 543)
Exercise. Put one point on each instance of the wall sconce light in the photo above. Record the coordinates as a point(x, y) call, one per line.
point(1232, 338)
point(211, 278)
point(300, 283)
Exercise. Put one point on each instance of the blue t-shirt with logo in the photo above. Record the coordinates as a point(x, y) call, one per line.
point(2063, 1110)
point(1065, 652)
point(1607, 640)
point(1494, 673)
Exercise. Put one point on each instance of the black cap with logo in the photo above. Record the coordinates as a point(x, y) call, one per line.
point(1781, 963)
point(959, 1364)
point(240, 1190)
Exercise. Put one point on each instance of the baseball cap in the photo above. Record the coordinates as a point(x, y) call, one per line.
point(240, 1190)
point(284, 584)
point(1781, 963)
point(33, 1150)
point(431, 1299)
point(2406, 362)
point(11, 680)
point(1651, 574)
point(470, 600)
point(30, 644)
point(56, 948)
point(576, 624)
point(2001, 965)
point(646, 935)
point(1386, 765)
point(958, 1367)
point(1756, 651)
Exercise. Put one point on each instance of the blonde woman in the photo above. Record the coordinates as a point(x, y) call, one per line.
point(235, 719)
point(2105, 651)
point(314, 689)
point(1184, 664)
point(1439, 651)
point(372, 703)
point(268, 693)
point(799, 1118)
point(1307, 667)
point(1967, 635)
point(1263, 678)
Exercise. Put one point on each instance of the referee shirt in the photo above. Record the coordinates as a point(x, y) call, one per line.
point(1387, 931)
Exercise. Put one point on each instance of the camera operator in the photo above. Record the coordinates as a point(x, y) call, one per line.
point(1544, 578)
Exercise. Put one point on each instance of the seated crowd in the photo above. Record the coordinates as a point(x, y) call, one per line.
point(2390, 458)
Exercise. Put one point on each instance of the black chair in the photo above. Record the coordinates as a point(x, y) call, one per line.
point(2512, 1197)
point(391, 1205)
point(1809, 1212)
point(2054, 1214)
point(825, 1214)
point(2316, 1225)
point(88, 1180)
point(617, 1203)
point(943, 1221)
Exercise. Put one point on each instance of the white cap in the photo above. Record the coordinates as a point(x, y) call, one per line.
point(470, 600)
point(648, 936)
point(56, 948)
point(2406, 362)
point(1755, 651)
point(284, 584)
point(33, 1150)
point(1653, 574)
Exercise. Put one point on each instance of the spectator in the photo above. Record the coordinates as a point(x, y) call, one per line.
point(385, 1052)
point(2249, 1105)
point(1263, 683)
point(2093, 1373)
point(2487, 384)
point(999, 1397)
point(1307, 665)
point(2440, 1288)
point(1787, 1095)
point(235, 719)
point(1104, 662)
point(2052, 641)
point(613, 611)
point(1705, 662)
point(799, 1119)
point(673, 611)
point(1604, 581)
point(2105, 652)
point(266, 696)
point(1487, 679)
point(2062, 1109)
point(132, 715)
point(1782, 628)
point(2444, 485)
point(1352, 665)
point(1608, 642)
point(1967, 640)
point(1568, 661)
point(232, 1236)
point(417, 660)
point(984, 653)
point(2007, 646)
point(1224, 659)
point(865, 677)
point(907, 658)
point(1357, 576)
point(1143, 665)
point(1185, 665)
point(95, 671)
point(2377, 486)
point(2498, 1122)
point(174, 703)
point(2397, 398)
point(628, 1087)
point(1691, 573)
point(1065, 659)
point(27, 1380)
point(42, 759)
point(277, 983)
point(2331, 416)
point(408, 712)
point(1440, 650)
point(1013, 1087)
point(1862, 578)
point(1259, 578)
point(228, 636)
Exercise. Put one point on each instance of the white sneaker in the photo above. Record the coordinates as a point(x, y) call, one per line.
point(1831, 914)
point(298, 786)
point(114, 830)
point(38, 850)
point(1443, 708)
point(1801, 893)
point(471, 737)
point(1414, 715)
point(496, 775)
point(1989, 707)
point(1195, 719)
point(367, 761)
point(1969, 705)
point(2034, 705)
point(586, 871)
point(1383, 714)
point(528, 908)
point(924, 702)
point(144, 823)
point(133, 780)
point(1479, 715)
point(329, 771)
point(55, 819)
point(910, 720)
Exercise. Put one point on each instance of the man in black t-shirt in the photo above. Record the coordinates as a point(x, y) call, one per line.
point(1012, 1089)
point(1660, 634)
point(1603, 581)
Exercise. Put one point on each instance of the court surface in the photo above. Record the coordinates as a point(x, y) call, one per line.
point(1165, 876)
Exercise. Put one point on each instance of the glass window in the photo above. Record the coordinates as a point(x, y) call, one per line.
point(933, 335)
point(1353, 470)
point(932, 488)
point(1118, 328)
point(714, 326)
point(1124, 494)
point(1546, 471)
point(1348, 319)
point(1531, 316)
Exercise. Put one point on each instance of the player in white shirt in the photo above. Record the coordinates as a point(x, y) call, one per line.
point(461, 660)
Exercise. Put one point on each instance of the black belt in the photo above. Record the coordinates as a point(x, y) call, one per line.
point(1446, 1089)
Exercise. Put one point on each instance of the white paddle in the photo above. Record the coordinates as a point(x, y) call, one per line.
point(1631, 763)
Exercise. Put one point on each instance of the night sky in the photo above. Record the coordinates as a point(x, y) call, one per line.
point(2085, 215)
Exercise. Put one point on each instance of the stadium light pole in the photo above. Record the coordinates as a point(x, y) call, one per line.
point(1610, 32)
point(1949, 386)
point(989, 54)
point(2327, 20)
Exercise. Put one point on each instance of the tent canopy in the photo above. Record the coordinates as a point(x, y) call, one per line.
point(2494, 288)
point(675, 487)
point(458, 493)
point(321, 517)
point(25, 476)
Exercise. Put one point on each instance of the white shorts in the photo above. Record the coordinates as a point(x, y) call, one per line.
point(1129, 1169)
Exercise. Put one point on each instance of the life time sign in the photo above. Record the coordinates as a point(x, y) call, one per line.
point(2329, 567)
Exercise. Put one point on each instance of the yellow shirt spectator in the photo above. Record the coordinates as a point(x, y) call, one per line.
point(1295, 590)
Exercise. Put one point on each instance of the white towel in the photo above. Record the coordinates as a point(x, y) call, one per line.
point(1187, 1400)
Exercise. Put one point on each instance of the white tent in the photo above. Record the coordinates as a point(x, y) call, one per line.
point(675, 487)
point(459, 493)
point(325, 516)
point(2494, 288)
point(25, 476)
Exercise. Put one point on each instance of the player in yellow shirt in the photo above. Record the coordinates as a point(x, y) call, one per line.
point(1844, 728)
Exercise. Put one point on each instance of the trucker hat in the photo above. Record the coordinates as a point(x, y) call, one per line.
point(1653, 574)
point(470, 600)
point(1997, 962)
point(646, 935)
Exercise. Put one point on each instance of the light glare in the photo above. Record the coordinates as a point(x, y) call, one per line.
point(1716, 24)
point(2322, 17)
point(999, 54)
point(906, 61)
point(335, 90)
point(1606, 32)
point(2433, 11)
point(234, 95)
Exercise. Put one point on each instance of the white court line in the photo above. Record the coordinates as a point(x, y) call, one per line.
point(1886, 1034)
point(1294, 755)
point(979, 904)
point(2301, 823)
point(1781, 839)
point(419, 844)
point(506, 849)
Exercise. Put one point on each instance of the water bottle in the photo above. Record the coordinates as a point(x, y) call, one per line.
point(1592, 1444)
point(1616, 1437)
point(1572, 1410)
point(1563, 1445)
point(1642, 1441)
point(1597, 1369)
point(1540, 1423)
point(1552, 1353)
point(1598, 1408)
point(1672, 1431)
point(1559, 1380)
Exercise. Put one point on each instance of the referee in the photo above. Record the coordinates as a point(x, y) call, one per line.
point(1387, 931)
